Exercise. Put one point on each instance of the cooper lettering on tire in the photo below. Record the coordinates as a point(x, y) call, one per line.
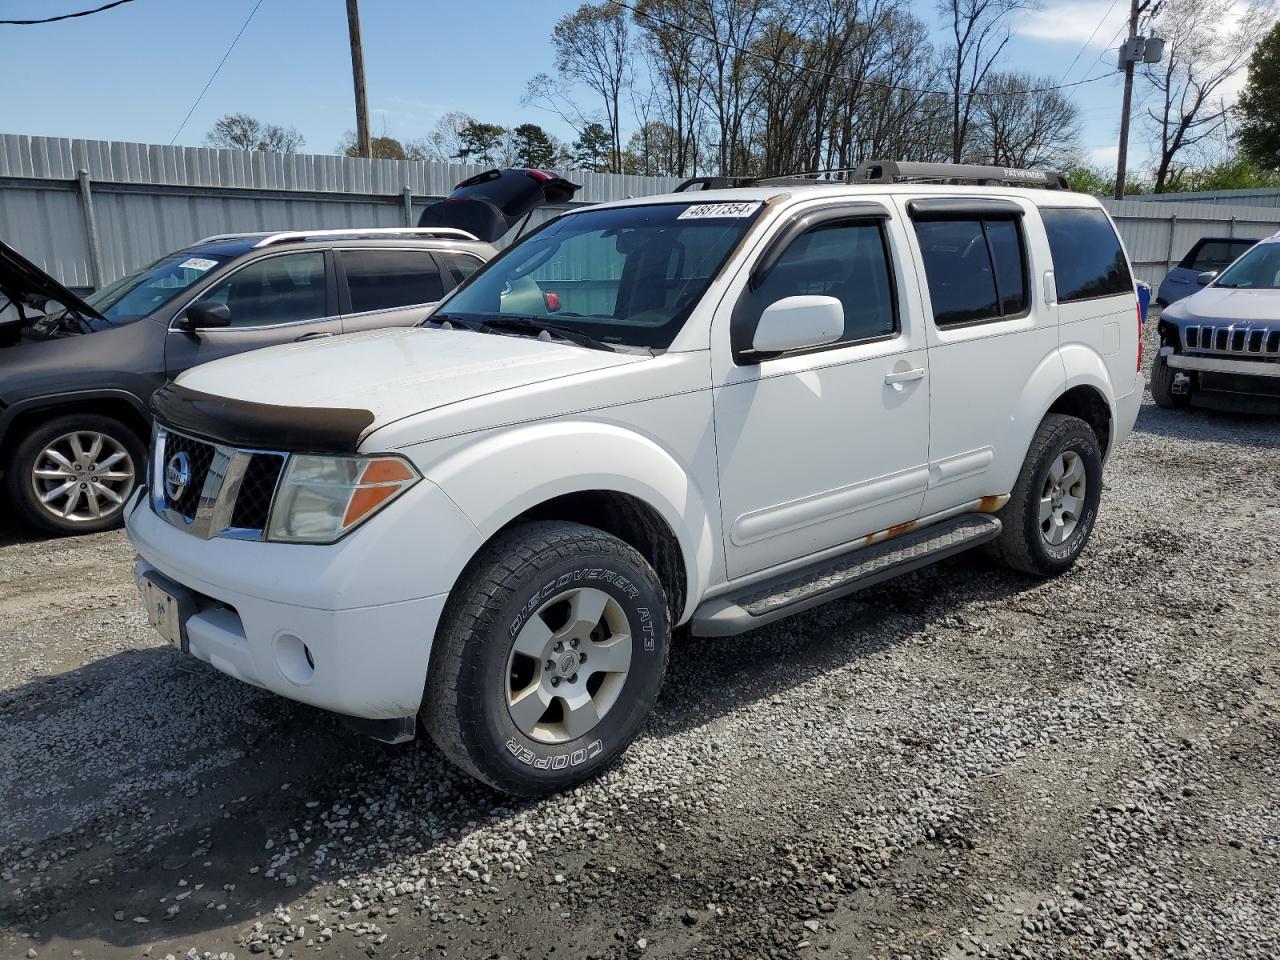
point(548, 659)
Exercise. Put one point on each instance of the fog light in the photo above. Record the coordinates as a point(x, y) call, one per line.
point(294, 659)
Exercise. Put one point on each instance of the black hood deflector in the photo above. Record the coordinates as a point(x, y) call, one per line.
point(261, 426)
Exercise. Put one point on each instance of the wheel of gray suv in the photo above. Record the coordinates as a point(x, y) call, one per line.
point(548, 659)
point(73, 473)
point(1162, 386)
point(1054, 503)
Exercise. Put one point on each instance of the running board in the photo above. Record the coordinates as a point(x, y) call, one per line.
point(848, 573)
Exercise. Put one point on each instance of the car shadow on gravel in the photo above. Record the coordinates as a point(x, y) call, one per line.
point(146, 776)
point(1243, 428)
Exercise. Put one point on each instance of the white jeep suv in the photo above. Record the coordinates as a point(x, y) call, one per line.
point(710, 409)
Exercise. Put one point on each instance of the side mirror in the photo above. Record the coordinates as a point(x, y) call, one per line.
point(204, 314)
point(1206, 278)
point(795, 323)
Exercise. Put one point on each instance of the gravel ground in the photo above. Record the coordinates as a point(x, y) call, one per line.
point(962, 763)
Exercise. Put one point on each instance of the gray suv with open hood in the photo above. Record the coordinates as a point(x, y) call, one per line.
point(78, 373)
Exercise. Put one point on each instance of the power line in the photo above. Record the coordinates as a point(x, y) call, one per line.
point(64, 16)
point(216, 69)
point(1098, 27)
point(844, 77)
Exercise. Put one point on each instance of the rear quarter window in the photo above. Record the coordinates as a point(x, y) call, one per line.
point(1088, 261)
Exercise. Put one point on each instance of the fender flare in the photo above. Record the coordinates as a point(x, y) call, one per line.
point(503, 475)
point(1085, 367)
point(52, 401)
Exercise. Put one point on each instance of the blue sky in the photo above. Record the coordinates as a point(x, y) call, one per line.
point(132, 73)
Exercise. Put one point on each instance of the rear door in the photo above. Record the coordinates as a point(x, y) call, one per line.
point(279, 298)
point(381, 287)
point(990, 329)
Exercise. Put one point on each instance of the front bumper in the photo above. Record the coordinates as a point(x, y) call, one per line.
point(1209, 364)
point(347, 627)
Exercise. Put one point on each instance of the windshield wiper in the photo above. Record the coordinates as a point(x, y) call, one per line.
point(441, 319)
point(536, 325)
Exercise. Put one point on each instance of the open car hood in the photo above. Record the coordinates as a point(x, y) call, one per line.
point(491, 203)
point(26, 285)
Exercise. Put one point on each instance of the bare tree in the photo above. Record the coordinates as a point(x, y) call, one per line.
point(593, 47)
point(239, 131)
point(676, 88)
point(1024, 125)
point(979, 34)
point(445, 142)
point(1207, 43)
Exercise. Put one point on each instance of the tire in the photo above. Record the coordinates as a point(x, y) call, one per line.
point(1162, 386)
point(515, 599)
point(1025, 543)
point(121, 450)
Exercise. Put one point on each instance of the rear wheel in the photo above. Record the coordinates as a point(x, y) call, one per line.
point(74, 473)
point(548, 659)
point(1162, 386)
point(1054, 503)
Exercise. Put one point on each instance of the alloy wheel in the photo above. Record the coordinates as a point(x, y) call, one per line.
point(568, 664)
point(83, 476)
point(1063, 497)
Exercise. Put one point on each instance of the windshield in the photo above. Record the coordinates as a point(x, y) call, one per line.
point(133, 297)
point(628, 275)
point(1259, 269)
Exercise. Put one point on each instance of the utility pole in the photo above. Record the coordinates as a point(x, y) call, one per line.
point(1135, 48)
point(363, 145)
point(1122, 158)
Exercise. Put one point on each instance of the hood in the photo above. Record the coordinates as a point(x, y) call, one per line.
point(21, 281)
point(395, 373)
point(36, 307)
point(491, 203)
point(1226, 305)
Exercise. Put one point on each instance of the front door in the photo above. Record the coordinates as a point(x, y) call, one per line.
point(819, 448)
point(279, 298)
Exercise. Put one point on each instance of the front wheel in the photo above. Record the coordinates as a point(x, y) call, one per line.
point(1054, 503)
point(74, 473)
point(549, 658)
point(1162, 386)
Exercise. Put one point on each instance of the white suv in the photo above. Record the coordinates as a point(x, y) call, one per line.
point(710, 409)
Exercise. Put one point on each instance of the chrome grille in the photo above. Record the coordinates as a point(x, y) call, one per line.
point(1242, 341)
point(227, 491)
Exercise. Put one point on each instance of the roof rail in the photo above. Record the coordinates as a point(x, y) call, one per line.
point(891, 171)
point(894, 171)
point(266, 239)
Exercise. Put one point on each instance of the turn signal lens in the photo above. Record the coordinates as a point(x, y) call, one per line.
point(320, 499)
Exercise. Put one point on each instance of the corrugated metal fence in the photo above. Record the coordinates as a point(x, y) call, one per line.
point(89, 211)
point(1157, 235)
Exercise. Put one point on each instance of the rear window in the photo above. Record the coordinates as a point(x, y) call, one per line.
point(976, 269)
point(1214, 254)
point(1088, 261)
point(385, 279)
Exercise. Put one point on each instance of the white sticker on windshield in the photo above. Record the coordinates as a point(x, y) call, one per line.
point(703, 211)
point(198, 263)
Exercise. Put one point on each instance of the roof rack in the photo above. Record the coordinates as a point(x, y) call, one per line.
point(267, 238)
point(891, 171)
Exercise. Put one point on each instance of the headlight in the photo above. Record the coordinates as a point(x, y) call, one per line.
point(320, 499)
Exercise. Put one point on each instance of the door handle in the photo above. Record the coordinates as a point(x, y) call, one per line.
point(312, 336)
point(904, 376)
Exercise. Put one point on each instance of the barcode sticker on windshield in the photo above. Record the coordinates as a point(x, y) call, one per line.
point(198, 263)
point(704, 211)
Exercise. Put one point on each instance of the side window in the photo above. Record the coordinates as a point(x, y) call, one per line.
point(1088, 261)
point(848, 260)
point(283, 289)
point(460, 266)
point(1215, 254)
point(976, 269)
point(385, 279)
